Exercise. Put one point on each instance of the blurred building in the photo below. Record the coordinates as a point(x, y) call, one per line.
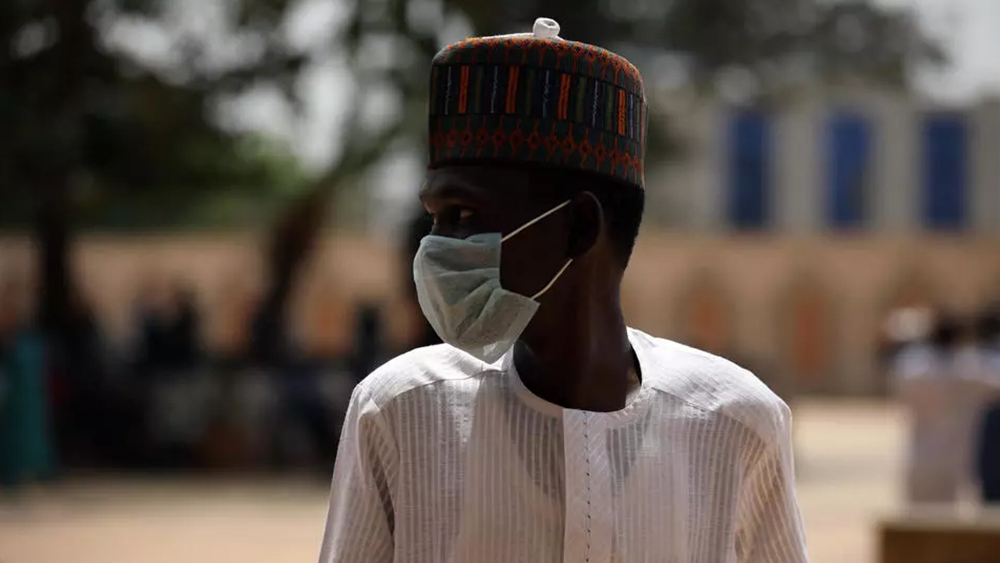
point(836, 161)
point(781, 238)
point(807, 218)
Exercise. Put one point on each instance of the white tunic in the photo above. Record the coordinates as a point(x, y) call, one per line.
point(446, 459)
point(943, 397)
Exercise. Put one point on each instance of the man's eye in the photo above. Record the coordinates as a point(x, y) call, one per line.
point(451, 216)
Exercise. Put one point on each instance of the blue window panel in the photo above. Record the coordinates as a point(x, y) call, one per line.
point(750, 173)
point(946, 171)
point(848, 145)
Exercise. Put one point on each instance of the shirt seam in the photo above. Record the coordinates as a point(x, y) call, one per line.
point(714, 361)
point(768, 441)
point(750, 480)
point(380, 418)
point(409, 390)
point(386, 430)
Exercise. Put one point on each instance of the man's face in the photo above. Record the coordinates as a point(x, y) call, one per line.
point(469, 200)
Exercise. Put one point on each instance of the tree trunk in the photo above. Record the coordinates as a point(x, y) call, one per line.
point(57, 168)
point(294, 237)
point(54, 277)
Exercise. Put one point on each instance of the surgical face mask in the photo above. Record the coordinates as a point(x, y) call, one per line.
point(458, 287)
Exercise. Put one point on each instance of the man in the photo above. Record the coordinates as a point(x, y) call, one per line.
point(987, 447)
point(932, 388)
point(545, 430)
point(26, 452)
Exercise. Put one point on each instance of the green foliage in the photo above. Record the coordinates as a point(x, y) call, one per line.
point(263, 176)
point(92, 122)
point(88, 116)
point(782, 44)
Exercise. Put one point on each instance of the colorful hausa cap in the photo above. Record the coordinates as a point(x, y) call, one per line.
point(535, 98)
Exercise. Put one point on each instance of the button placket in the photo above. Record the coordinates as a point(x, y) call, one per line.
point(589, 522)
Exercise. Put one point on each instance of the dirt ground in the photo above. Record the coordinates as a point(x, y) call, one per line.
point(848, 457)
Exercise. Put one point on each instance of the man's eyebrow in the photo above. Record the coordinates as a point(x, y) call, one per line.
point(451, 191)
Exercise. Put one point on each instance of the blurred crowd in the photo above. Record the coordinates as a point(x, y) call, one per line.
point(162, 400)
point(945, 371)
point(166, 401)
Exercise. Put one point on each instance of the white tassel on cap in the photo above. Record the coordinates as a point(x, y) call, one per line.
point(546, 28)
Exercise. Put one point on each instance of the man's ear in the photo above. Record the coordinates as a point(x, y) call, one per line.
point(586, 224)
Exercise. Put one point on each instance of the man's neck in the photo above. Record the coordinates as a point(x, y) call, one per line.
point(584, 365)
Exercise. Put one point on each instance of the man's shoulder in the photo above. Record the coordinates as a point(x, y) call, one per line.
point(712, 384)
point(420, 368)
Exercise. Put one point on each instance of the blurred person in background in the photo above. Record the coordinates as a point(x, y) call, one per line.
point(988, 438)
point(149, 360)
point(274, 347)
point(927, 384)
point(151, 317)
point(974, 392)
point(905, 329)
point(86, 369)
point(168, 376)
point(183, 333)
point(296, 380)
point(543, 429)
point(26, 449)
point(368, 350)
point(168, 324)
point(896, 334)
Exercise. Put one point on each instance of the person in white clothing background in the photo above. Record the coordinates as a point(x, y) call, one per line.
point(545, 429)
point(987, 451)
point(934, 379)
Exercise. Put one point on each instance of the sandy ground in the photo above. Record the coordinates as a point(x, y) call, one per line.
point(848, 457)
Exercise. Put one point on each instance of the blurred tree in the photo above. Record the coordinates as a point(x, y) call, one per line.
point(763, 47)
point(278, 177)
point(99, 126)
point(87, 120)
point(91, 120)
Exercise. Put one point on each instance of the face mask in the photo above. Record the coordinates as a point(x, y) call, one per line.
point(458, 287)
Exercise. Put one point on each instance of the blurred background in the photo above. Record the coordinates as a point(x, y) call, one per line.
point(208, 213)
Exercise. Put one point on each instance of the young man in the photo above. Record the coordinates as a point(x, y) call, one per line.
point(545, 430)
point(929, 385)
point(987, 427)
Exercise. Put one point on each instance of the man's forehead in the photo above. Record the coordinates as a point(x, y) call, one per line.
point(493, 183)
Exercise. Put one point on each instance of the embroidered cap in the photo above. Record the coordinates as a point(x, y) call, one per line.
point(535, 98)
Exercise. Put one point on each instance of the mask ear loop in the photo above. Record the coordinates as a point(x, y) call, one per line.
point(530, 223)
point(553, 282)
point(535, 220)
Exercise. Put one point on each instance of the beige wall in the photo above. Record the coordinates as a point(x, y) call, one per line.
point(859, 277)
point(753, 277)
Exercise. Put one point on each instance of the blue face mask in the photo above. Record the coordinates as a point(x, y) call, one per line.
point(458, 287)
